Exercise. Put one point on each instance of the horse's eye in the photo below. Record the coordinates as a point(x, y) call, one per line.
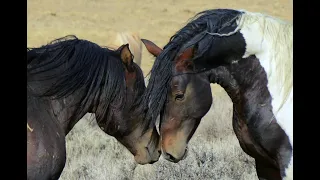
point(179, 97)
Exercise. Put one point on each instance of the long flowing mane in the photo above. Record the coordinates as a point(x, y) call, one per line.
point(206, 26)
point(74, 64)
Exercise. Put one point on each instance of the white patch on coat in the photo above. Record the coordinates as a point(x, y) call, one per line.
point(270, 40)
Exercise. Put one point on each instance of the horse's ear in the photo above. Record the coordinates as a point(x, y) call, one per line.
point(126, 57)
point(184, 60)
point(151, 47)
point(186, 54)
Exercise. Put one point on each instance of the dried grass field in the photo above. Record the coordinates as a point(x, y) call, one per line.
point(92, 155)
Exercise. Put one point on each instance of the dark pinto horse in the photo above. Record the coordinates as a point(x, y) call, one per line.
point(70, 77)
point(250, 56)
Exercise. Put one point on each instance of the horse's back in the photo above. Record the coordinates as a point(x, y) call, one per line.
point(45, 142)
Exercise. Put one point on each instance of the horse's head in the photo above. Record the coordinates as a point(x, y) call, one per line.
point(188, 100)
point(126, 123)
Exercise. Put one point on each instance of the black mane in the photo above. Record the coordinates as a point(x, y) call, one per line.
point(198, 29)
point(74, 64)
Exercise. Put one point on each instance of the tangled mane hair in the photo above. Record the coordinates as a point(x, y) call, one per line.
point(205, 26)
point(79, 66)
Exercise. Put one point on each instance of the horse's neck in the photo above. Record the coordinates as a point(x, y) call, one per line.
point(64, 110)
point(246, 85)
point(270, 40)
point(222, 76)
point(264, 33)
point(133, 111)
point(246, 82)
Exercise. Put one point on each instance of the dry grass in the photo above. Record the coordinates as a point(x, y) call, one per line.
point(214, 150)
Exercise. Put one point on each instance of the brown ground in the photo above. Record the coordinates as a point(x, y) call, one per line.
point(157, 20)
point(215, 153)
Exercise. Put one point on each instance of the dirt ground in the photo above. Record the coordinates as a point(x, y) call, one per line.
point(157, 20)
point(216, 153)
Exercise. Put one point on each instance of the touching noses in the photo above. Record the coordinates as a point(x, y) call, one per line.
point(154, 147)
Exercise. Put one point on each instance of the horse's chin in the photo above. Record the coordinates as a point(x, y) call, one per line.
point(146, 158)
point(144, 161)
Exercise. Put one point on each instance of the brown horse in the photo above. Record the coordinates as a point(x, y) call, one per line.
point(70, 77)
point(250, 56)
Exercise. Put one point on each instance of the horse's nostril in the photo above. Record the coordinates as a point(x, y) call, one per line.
point(171, 157)
point(152, 162)
point(159, 151)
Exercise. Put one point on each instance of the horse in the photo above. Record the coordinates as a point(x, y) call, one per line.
point(249, 55)
point(70, 77)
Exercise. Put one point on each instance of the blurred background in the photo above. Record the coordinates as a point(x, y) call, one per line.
point(91, 154)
